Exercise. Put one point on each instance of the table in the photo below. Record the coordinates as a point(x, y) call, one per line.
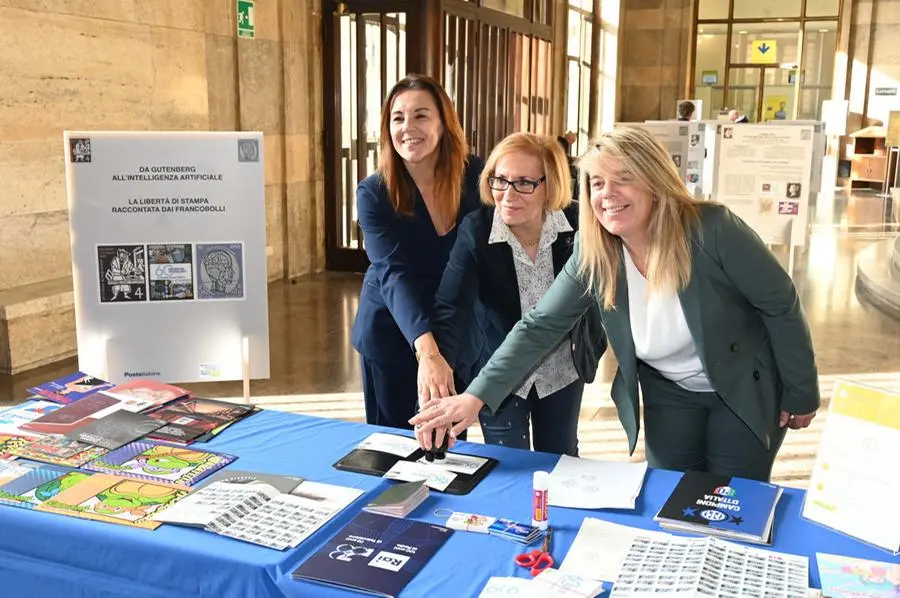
point(46, 555)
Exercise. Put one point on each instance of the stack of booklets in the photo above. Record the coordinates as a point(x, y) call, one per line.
point(399, 500)
point(507, 529)
point(259, 513)
point(733, 508)
point(193, 419)
point(58, 450)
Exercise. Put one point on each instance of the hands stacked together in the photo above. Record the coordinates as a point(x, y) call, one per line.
point(441, 410)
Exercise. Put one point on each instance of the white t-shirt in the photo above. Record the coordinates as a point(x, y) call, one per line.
point(662, 338)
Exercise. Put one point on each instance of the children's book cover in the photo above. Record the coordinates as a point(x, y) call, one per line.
point(154, 461)
point(115, 500)
point(39, 483)
point(12, 418)
point(71, 388)
point(846, 577)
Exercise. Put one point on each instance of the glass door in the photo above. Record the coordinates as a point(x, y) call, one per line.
point(368, 55)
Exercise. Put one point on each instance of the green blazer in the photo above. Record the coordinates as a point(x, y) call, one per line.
point(743, 313)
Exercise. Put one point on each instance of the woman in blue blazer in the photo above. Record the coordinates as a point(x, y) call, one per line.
point(506, 256)
point(699, 313)
point(409, 211)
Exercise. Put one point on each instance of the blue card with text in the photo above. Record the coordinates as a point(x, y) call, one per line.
point(374, 554)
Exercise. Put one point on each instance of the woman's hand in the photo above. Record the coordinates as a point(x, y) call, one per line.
point(794, 421)
point(435, 379)
point(454, 412)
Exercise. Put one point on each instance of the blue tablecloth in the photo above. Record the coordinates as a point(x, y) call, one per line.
point(44, 555)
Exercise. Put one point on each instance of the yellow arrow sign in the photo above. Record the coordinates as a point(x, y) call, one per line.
point(764, 51)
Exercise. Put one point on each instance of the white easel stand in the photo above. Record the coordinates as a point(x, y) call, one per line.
point(245, 367)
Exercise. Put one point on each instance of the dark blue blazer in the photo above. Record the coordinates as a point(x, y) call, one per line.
point(407, 259)
point(483, 273)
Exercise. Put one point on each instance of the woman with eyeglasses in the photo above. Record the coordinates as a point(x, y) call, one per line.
point(409, 212)
point(699, 313)
point(506, 256)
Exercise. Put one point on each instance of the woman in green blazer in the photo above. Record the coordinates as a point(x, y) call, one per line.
point(699, 313)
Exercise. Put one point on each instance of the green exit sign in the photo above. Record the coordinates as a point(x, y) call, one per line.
point(246, 26)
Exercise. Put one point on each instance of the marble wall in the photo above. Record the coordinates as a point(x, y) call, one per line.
point(655, 41)
point(156, 65)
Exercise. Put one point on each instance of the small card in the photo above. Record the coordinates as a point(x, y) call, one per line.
point(434, 477)
point(467, 464)
point(470, 522)
point(401, 446)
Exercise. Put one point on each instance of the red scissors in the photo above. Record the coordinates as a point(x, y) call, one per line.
point(538, 560)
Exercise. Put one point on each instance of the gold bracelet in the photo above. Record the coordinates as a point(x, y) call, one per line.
point(432, 355)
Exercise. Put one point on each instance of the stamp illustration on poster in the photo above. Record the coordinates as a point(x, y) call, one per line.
point(171, 271)
point(122, 273)
point(220, 271)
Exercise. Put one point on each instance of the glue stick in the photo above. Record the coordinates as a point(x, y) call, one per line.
point(540, 499)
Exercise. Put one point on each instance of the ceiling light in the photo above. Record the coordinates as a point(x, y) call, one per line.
point(700, 31)
point(823, 31)
point(742, 32)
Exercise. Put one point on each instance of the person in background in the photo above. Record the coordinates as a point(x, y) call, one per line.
point(506, 256)
point(685, 110)
point(409, 212)
point(735, 116)
point(699, 313)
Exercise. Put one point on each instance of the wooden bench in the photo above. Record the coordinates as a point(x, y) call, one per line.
point(37, 325)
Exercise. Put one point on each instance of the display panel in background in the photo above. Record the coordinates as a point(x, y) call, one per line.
point(168, 254)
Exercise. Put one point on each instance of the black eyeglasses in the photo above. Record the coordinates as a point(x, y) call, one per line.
point(523, 186)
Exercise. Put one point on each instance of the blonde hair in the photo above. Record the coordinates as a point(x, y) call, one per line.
point(553, 161)
point(673, 214)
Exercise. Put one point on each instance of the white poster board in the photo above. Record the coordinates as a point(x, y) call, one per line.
point(854, 485)
point(764, 176)
point(819, 144)
point(168, 254)
point(673, 135)
point(700, 169)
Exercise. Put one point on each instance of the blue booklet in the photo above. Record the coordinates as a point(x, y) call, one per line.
point(374, 554)
point(732, 508)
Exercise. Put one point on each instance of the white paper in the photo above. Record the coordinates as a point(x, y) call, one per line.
point(689, 567)
point(467, 464)
point(390, 443)
point(600, 547)
point(434, 477)
point(555, 583)
point(854, 484)
point(329, 495)
point(280, 523)
point(509, 586)
point(204, 505)
point(589, 484)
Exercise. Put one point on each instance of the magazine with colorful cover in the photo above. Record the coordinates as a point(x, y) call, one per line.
point(115, 499)
point(10, 441)
point(149, 393)
point(147, 460)
point(38, 482)
point(71, 388)
point(58, 450)
point(12, 418)
point(192, 418)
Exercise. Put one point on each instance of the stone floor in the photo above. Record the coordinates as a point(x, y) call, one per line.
point(315, 370)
